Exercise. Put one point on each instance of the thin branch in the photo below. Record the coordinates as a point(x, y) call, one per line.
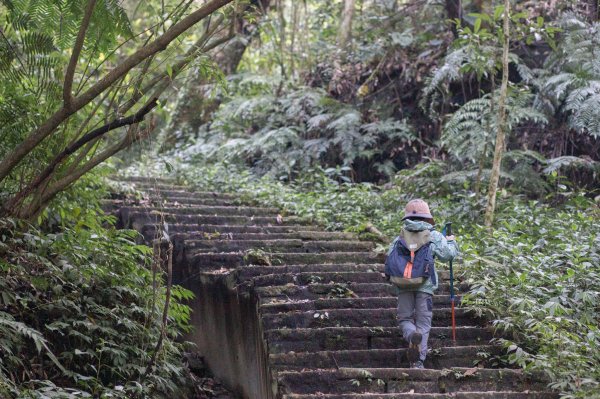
point(85, 23)
point(165, 315)
point(70, 149)
point(35, 137)
point(47, 195)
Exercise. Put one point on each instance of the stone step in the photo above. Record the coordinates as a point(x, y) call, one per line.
point(249, 272)
point(191, 200)
point(191, 228)
point(167, 193)
point(315, 277)
point(204, 210)
point(444, 357)
point(398, 381)
point(453, 395)
point(158, 186)
point(293, 292)
point(290, 245)
point(360, 318)
point(297, 235)
point(136, 220)
point(363, 338)
point(232, 260)
point(144, 179)
point(278, 306)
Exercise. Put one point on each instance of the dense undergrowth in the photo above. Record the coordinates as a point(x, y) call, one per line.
point(78, 313)
point(536, 276)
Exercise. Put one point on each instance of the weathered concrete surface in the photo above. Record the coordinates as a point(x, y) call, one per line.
point(286, 310)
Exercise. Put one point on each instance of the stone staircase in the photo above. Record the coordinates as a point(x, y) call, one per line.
point(287, 310)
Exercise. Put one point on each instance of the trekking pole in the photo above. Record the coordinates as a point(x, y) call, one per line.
point(448, 229)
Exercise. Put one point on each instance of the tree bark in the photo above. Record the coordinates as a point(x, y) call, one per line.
point(49, 126)
point(195, 106)
point(501, 134)
point(592, 10)
point(17, 200)
point(70, 73)
point(345, 33)
point(454, 12)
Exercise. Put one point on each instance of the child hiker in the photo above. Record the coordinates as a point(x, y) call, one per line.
point(410, 267)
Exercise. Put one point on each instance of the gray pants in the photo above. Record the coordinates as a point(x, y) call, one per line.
point(415, 310)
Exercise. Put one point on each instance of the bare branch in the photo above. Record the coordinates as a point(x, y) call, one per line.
point(70, 149)
point(44, 198)
point(85, 23)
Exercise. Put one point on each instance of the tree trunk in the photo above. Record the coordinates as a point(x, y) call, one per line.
point(49, 126)
point(195, 105)
point(454, 12)
point(345, 33)
point(592, 10)
point(501, 134)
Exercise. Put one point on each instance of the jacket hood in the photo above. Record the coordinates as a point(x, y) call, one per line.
point(416, 225)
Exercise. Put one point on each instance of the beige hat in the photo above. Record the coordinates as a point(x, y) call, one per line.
point(417, 208)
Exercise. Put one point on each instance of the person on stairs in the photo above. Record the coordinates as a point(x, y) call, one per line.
point(410, 266)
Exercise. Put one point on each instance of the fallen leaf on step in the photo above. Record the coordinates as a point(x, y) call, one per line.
point(279, 219)
point(470, 372)
point(411, 391)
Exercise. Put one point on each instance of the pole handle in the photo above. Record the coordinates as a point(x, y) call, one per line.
point(448, 228)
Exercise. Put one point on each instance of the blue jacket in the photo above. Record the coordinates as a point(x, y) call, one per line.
point(443, 250)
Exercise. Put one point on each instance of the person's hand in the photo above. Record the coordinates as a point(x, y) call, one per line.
point(450, 238)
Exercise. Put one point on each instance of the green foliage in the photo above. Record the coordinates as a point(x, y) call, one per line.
point(470, 132)
point(570, 82)
point(78, 315)
point(537, 277)
point(281, 136)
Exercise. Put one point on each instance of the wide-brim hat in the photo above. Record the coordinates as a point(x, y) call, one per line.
point(417, 208)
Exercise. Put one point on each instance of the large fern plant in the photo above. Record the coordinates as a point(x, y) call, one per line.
point(570, 83)
point(470, 132)
point(303, 128)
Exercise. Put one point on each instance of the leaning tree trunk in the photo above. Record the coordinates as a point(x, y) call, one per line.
point(345, 33)
point(454, 12)
point(501, 134)
point(195, 105)
point(592, 10)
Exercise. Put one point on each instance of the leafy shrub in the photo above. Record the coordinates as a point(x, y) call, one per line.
point(78, 315)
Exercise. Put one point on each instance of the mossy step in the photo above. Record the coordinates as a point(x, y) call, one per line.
point(318, 277)
point(360, 318)
point(297, 235)
point(157, 186)
point(294, 292)
point(444, 357)
point(217, 230)
point(363, 338)
point(188, 193)
point(232, 260)
point(278, 306)
point(204, 210)
point(402, 381)
point(453, 395)
point(145, 179)
point(257, 270)
point(136, 220)
point(290, 245)
point(191, 200)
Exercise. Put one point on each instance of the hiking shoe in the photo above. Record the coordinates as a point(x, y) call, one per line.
point(417, 365)
point(414, 347)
